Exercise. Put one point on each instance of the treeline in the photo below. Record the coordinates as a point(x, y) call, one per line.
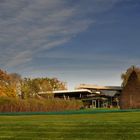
point(30, 87)
point(13, 85)
point(19, 94)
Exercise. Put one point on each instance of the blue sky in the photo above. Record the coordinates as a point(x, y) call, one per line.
point(83, 41)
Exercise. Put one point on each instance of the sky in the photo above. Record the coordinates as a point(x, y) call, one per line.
point(77, 41)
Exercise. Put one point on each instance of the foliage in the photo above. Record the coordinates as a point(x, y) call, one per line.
point(8, 104)
point(125, 76)
point(30, 87)
point(6, 85)
point(13, 85)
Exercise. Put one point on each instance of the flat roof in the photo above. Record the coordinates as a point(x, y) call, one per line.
point(72, 91)
point(95, 87)
point(67, 91)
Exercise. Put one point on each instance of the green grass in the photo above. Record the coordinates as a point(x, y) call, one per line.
point(98, 126)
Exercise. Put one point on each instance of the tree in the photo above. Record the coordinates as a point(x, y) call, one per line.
point(31, 87)
point(4, 77)
point(125, 76)
point(13, 85)
point(16, 81)
point(6, 88)
point(15, 77)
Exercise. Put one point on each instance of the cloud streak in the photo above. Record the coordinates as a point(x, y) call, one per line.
point(29, 27)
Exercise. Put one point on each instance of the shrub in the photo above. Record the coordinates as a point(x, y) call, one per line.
point(8, 104)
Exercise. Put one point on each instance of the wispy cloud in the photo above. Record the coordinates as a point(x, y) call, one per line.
point(28, 27)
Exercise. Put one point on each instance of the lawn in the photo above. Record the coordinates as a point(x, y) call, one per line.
point(98, 126)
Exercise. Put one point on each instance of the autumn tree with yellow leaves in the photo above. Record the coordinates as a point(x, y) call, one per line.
point(6, 86)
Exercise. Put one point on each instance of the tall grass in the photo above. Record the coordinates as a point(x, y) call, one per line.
point(37, 105)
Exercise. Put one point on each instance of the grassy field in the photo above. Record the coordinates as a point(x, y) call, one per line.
point(98, 126)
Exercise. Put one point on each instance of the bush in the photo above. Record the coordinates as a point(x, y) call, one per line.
point(8, 104)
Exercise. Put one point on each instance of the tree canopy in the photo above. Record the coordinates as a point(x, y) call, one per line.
point(14, 85)
point(125, 76)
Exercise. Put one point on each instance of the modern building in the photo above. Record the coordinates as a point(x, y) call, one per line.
point(91, 95)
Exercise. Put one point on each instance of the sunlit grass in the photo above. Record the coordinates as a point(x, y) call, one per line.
point(101, 126)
